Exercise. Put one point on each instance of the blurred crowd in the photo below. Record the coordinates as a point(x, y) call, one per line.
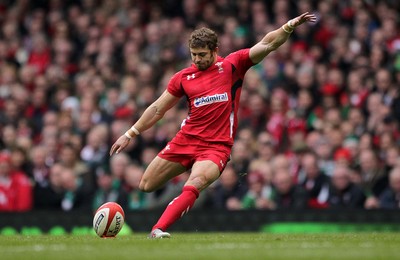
point(319, 117)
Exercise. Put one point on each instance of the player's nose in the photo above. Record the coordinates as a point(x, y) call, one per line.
point(197, 59)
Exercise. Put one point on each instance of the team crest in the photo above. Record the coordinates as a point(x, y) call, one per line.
point(219, 65)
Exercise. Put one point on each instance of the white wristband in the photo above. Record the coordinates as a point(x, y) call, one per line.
point(133, 128)
point(286, 31)
point(128, 135)
point(289, 24)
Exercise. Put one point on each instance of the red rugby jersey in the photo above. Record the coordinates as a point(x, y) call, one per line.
point(213, 97)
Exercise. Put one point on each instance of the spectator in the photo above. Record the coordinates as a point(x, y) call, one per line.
point(240, 157)
point(376, 109)
point(136, 199)
point(76, 193)
point(390, 197)
point(9, 136)
point(357, 119)
point(43, 192)
point(324, 152)
point(40, 54)
point(314, 181)
point(15, 187)
point(342, 157)
point(343, 193)
point(351, 144)
point(357, 91)
point(265, 169)
point(109, 189)
point(287, 195)
point(391, 158)
point(253, 110)
point(94, 153)
point(50, 196)
point(257, 197)
point(40, 171)
point(20, 161)
point(277, 121)
point(373, 179)
point(228, 192)
point(384, 85)
point(69, 158)
point(265, 147)
point(118, 165)
point(246, 135)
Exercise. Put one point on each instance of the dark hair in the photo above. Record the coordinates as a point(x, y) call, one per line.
point(203, 37)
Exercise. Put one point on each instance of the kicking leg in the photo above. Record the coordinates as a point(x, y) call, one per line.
point(203, 174)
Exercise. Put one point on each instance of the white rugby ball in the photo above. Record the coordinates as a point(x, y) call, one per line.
point(108, 219)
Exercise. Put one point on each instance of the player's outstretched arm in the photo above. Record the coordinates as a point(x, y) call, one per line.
point(150, 116)
point(276, 38)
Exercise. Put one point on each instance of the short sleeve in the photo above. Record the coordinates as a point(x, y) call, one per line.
point(241, 60)
point(174, 85)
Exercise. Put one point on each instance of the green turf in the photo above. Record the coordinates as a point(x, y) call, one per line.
point(205, 246)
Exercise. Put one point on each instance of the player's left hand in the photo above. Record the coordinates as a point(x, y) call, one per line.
point(119, 145)
point(306, 17)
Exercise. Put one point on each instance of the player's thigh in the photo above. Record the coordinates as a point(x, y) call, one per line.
point(158, 173)
point(203, 174)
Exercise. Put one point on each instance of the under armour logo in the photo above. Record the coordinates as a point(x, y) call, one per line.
point(219, 65)
point(222, 163)
point(189, 77)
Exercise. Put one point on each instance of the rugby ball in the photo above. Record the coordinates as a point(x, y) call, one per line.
point(108, 219)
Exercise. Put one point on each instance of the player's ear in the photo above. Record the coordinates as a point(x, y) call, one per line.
point(216, 50)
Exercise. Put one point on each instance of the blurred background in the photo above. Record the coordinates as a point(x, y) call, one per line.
point(319, 117)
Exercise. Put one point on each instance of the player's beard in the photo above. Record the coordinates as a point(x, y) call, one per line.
point(205, 64)
point(202, 66)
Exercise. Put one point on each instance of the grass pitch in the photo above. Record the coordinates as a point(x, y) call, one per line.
point(374, 246)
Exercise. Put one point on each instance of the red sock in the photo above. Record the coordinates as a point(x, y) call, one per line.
point(177, 207)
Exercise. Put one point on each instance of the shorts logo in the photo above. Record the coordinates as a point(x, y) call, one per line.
point(202, 101)
point(166, 149)
point(222, 163)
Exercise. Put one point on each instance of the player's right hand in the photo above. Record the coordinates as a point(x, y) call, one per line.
point(119, 145)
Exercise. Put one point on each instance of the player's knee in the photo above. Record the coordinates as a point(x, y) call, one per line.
point(145, 186)
point(200, 182)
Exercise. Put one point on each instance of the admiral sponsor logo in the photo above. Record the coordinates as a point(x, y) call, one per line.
point(202, 101)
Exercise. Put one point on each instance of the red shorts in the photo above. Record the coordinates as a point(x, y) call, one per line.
point(187, 150)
